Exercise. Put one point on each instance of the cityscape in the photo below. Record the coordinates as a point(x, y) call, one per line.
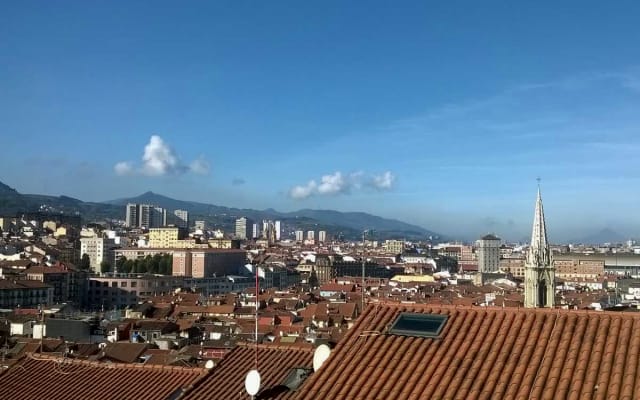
point(305, 229)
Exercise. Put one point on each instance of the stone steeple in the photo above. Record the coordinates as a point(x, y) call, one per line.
point(539, 273)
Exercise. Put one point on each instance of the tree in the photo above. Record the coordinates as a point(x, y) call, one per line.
point(85, 262)
point(105, 266)
point(313, 279)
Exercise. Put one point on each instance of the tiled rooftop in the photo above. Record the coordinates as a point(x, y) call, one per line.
point(226, 380)
point(41, 377)
point(485, 353)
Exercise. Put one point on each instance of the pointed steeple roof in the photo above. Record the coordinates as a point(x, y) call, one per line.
point(539, 250)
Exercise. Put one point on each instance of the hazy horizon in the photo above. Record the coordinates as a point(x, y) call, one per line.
point(440, 115)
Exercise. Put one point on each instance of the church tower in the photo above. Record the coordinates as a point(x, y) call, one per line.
point(539, 273)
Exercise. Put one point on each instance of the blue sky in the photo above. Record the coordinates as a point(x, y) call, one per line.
point(441, 114)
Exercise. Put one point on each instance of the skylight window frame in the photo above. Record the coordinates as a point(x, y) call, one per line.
point(425, 317)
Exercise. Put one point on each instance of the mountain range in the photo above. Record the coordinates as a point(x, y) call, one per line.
point(348, 224)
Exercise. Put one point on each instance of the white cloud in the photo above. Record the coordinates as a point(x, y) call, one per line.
point(339, 183)
point(123, 168)
point(303, 191)
point(384, 181)
point(333, 184)
point(159, 159)
point(200, 166)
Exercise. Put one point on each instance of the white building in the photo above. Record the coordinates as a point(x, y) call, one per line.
point(98, 249)
point(242, 228)
point(299, 236)
point(322, 236)
point(311, 235)
point(181, 218)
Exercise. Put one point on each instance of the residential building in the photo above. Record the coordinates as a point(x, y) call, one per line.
point(132, 216)
point(243, 226)
point(167, 237)
point(256, 231)
point(394, 246)
point(539, 272)
point(278, 230)
point(98, 249)
point(489, 254)
point(311, 236)
point(204, 263)
point(24, 293)
point(200, 225)
point(299, 236)
point(322, 236)
point(498, 353)
point(181, 218)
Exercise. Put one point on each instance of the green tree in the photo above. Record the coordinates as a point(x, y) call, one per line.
point(165, 265)
point(105, 266)
point(85, 262)
point(313, 279)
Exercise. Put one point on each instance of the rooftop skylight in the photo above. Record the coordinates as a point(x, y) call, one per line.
point(417, 324)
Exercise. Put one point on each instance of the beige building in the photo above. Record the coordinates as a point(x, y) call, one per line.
point(393, 246)
point(166, 237)
point(204, 263)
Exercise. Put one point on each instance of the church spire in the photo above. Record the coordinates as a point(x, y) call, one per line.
point(539, 272)
point(539, 249)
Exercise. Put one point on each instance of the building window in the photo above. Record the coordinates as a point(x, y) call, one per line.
point(123, 284)
point(421, 325)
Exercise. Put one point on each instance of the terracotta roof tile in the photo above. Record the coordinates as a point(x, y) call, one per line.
point(37, 378)
point(226, 380)
point(485, 353)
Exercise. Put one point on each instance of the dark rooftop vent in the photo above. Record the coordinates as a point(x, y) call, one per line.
point(296, 377)
point(416, 324)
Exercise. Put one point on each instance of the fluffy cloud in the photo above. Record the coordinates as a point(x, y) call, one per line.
point(200, 166)
point(303, 191)
point(339, 183)
point(384, 181)
point(123, 168)
point(159, 159)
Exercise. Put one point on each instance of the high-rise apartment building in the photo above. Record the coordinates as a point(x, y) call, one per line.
point(243, 228)
point(256, 231)
point(132, 216)
point(322, 236)
point(299, 236)
point(278, 229)
point(489, 254)
point(181, 218)
point(311, 235)
point(145, 216)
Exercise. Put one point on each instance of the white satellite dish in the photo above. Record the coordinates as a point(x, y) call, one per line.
point(252, 382)
point(209, 364)
point(320, 356)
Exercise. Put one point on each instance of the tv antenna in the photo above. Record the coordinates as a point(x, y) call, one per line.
point(320, 356)
point(252, 382)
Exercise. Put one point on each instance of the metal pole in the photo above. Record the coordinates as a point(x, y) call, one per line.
point(363, 262)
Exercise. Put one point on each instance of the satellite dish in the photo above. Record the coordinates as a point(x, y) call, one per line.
point(209, 364)
point(252, 382)
point(320, 356)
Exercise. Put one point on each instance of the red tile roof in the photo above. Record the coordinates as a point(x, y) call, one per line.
point(485, 353)
point(226, 380)
point(37, 378)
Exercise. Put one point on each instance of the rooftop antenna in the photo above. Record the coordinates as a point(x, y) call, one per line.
point(252, 383)
point(257, 305)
